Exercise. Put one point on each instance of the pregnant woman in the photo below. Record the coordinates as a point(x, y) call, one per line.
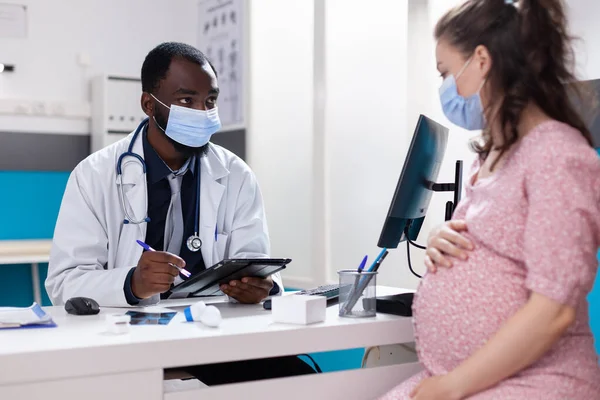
point(502, 312)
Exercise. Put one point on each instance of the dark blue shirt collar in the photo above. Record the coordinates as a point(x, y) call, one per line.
point(156, 168)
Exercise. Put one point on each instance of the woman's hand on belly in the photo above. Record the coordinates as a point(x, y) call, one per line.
point(447, 242)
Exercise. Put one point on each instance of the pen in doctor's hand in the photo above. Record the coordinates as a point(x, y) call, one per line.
point(184, 272)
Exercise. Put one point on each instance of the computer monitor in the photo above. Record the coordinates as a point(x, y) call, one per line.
point(417, 183)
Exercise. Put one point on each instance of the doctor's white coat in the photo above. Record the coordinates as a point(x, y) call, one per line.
point(93, 250)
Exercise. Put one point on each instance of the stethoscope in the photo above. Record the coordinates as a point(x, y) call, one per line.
point(194, 243)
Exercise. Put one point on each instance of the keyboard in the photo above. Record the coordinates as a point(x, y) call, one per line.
point(331, 292)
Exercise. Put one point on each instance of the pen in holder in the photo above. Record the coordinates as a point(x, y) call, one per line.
point(355, 286)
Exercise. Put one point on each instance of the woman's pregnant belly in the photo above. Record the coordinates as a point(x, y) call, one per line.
point(457, 310)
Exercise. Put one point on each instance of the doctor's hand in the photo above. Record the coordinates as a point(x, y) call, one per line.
point(249, 290)
point(153, 274)
point(447, 242)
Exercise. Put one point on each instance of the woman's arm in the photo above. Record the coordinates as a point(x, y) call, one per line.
point(523, 339)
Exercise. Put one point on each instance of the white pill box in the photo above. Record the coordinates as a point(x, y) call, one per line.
point(298, 309)
point(118, 324)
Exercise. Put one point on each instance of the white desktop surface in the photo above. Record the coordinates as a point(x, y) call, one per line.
point(80, 347)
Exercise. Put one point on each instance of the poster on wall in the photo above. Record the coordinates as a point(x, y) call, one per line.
point(221, 38)
point(13, 21)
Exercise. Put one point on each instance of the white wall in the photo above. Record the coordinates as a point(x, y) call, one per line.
point(366, 72)
point(327, 132)
point(280, 126)
point(115, 34)
point(583, 18)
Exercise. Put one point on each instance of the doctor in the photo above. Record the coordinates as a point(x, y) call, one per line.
point(192, 201)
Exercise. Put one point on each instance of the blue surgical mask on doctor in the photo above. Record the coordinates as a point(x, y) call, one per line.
point(466, 112)
point(189, 126)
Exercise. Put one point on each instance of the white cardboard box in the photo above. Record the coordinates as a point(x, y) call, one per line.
point(298, 309)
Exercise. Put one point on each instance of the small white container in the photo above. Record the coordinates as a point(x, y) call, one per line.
point(118, 324)
point(298, 309)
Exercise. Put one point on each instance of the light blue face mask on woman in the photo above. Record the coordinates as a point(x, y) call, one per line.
point(190, 127)
point(466, 112)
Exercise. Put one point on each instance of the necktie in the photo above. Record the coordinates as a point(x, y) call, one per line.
point(174, 222)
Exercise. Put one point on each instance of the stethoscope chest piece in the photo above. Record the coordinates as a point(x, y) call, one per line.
point(194, 243)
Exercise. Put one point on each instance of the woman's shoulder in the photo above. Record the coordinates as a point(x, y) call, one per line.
point(555, 145)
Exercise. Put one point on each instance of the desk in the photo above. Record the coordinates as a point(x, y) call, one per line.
point(80, 360)
point(31, 252)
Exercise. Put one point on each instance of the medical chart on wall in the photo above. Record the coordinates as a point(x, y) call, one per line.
point(13, 21)
point(221, 38)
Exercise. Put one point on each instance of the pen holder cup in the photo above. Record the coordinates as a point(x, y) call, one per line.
point(357, 293)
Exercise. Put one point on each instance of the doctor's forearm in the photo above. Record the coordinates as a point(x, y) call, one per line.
point(104, 286)
point(523, 339)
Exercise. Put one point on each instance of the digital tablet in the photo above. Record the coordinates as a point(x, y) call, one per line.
point(207, 282)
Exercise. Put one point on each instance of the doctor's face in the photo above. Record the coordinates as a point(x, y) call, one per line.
point(186, 84)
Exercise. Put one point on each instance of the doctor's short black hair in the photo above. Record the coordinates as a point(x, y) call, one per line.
point(157, 62)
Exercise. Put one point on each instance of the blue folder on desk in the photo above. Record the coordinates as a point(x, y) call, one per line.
point(25, 318)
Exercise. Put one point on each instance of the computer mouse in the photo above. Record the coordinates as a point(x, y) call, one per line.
point(82, 306)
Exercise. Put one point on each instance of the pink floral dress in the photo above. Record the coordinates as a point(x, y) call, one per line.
point(535, 224)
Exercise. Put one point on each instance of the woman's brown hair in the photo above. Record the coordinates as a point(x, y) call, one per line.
point(532, 60)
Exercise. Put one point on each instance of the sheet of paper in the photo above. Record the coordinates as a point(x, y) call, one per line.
point(11, 317)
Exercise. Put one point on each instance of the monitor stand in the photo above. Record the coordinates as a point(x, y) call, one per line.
point(455, 187)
